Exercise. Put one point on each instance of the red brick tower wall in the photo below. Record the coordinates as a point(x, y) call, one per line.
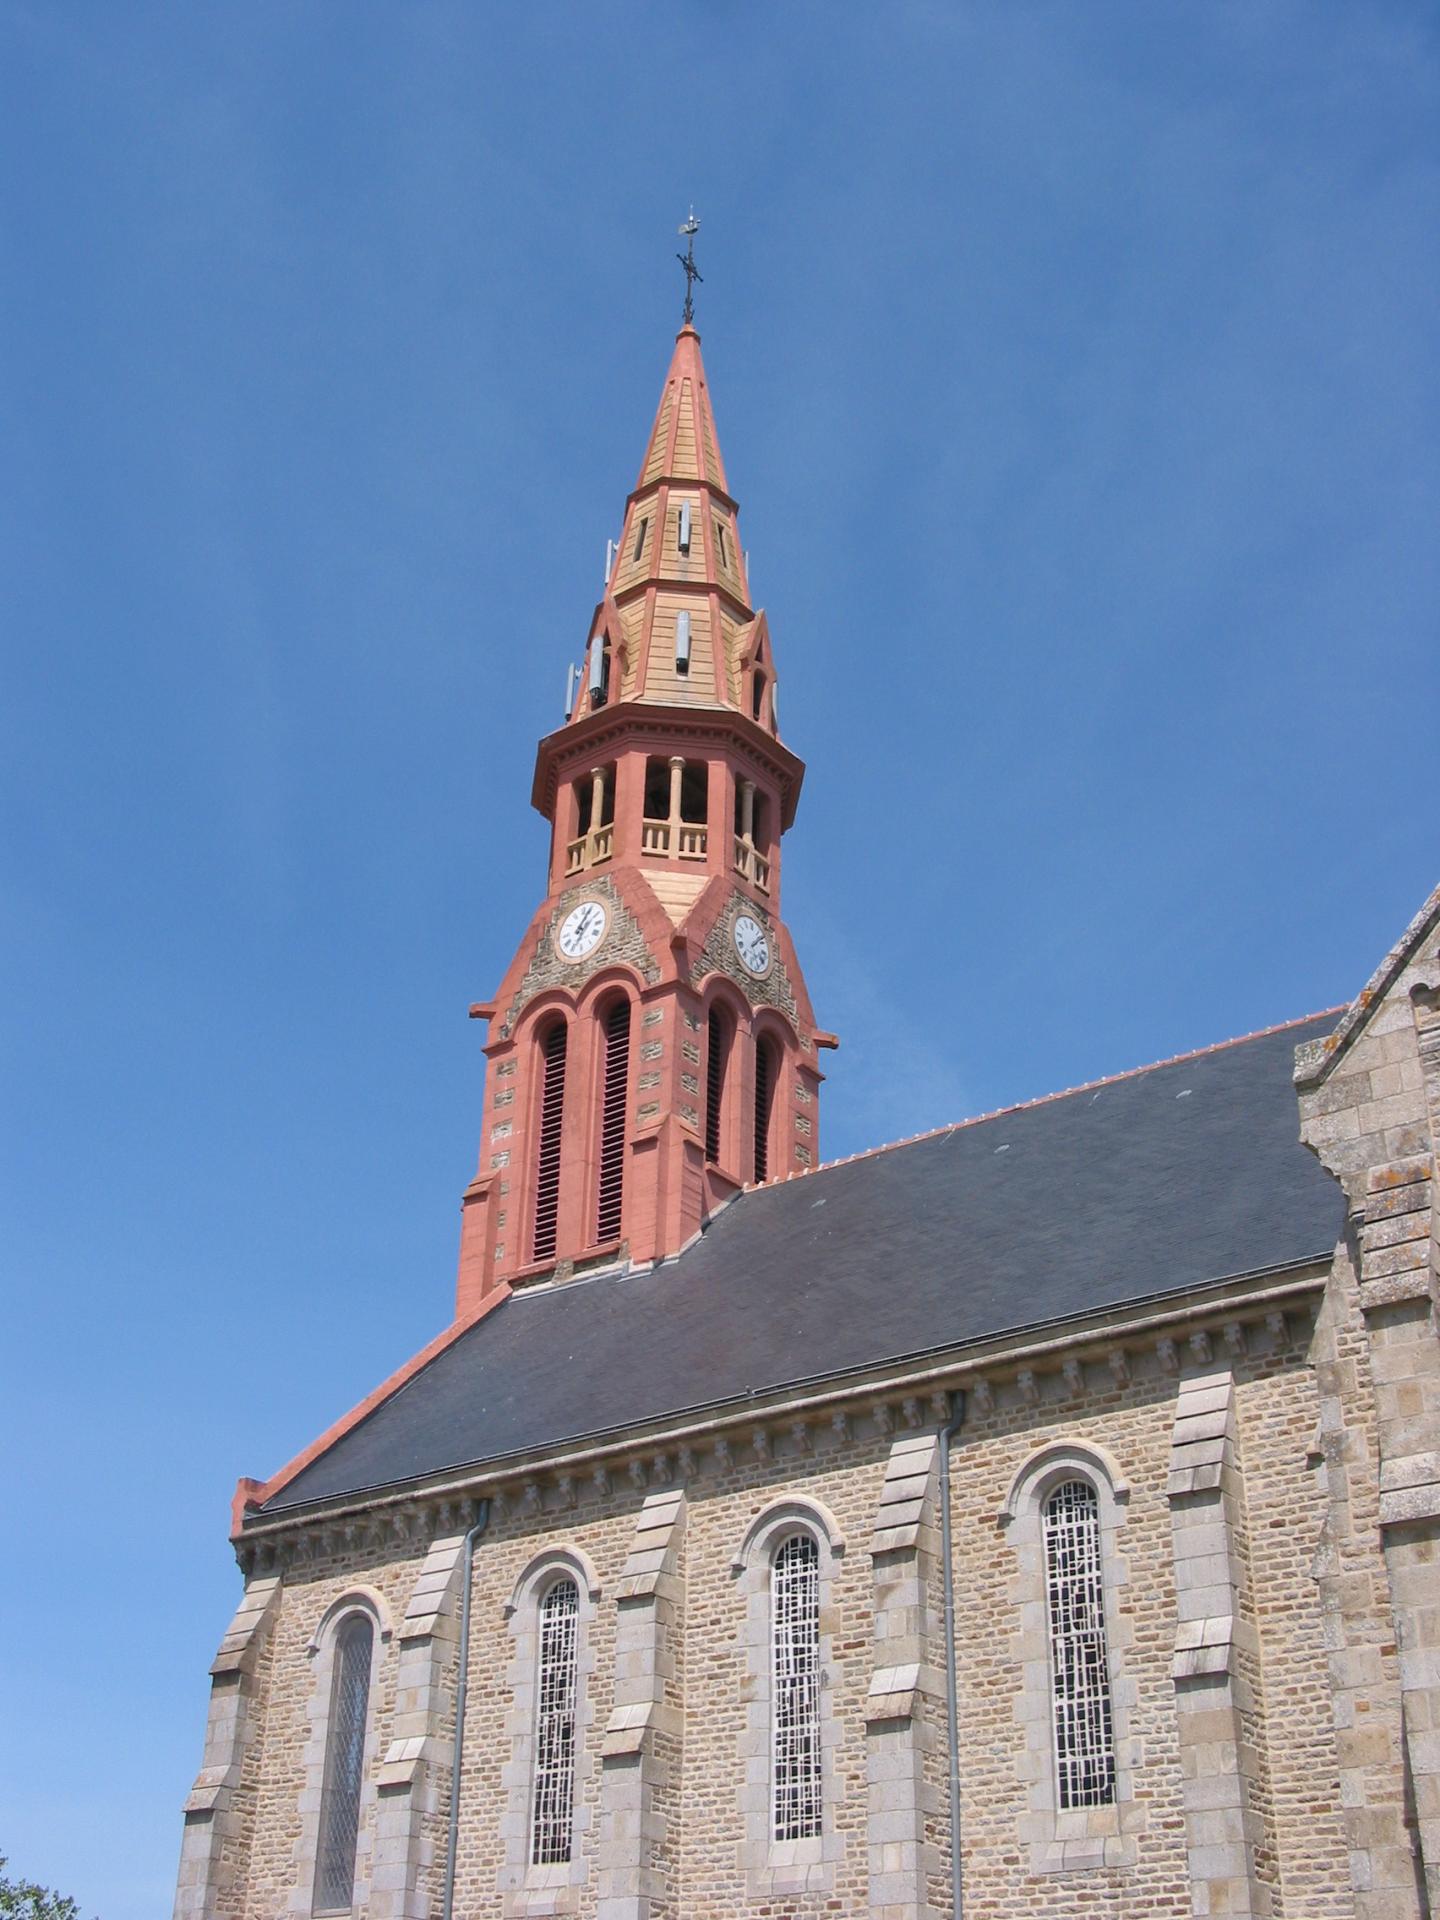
point(668, 790)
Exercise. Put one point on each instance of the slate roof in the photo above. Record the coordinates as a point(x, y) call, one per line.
point(1175, 1177)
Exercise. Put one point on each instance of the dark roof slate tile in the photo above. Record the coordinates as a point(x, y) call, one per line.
point(1174, 1177)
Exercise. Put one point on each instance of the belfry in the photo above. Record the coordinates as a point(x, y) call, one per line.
point(652, 1047)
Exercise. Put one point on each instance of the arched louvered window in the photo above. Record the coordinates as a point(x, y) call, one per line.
point(344, 1766)
point(717, 1051)
point(552, 1804)
point(766, 1075)
point(612, 1121)
point(1079, 1663)
point(548, 1141)
point(795, 1689)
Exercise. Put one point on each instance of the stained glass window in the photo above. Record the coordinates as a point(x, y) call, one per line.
point(1084, 1737)
point(344, 1766)
point(795, 1736)
point(552, 1816)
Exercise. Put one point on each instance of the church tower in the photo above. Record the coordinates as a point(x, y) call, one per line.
point(652, 1048)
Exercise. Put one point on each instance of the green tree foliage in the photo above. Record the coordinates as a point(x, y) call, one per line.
point(23, 1900)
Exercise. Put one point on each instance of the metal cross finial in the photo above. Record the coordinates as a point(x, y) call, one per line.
point(687, 260)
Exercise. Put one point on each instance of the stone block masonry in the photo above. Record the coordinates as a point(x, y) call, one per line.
point(1216, 1667)
point(672, 1779)
point(1370, 1108)
point(641, 1787)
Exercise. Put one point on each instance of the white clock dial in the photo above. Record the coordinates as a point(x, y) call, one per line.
point(752, 944)
point(582, 930)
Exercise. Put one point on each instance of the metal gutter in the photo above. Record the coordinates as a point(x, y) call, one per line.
point(952, 1678)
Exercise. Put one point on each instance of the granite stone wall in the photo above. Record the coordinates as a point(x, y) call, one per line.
point(672, 1785)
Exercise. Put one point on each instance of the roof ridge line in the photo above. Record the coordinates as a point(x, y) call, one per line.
point(1045, 1099)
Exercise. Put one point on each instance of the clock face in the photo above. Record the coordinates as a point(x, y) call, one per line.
point(582, 930)
point(752, 944)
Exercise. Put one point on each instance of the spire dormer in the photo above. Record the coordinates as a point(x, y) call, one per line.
point(652, 1048)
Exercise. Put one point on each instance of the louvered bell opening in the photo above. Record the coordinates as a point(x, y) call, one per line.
point(764, 1087)
point(612, 1121)
point(714, 1083)
point(547, 1174)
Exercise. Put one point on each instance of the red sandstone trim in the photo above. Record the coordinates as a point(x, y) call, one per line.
point(1048, 1099)
point(250, 1494)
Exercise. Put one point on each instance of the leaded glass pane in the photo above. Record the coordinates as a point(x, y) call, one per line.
point(553, 1812)
point(795, 1615)
point(344, 1767)
point(1084, 1737)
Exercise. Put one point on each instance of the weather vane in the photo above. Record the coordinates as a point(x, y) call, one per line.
point(687, 260)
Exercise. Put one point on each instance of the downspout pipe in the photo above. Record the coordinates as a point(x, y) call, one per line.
point(952, 1680)
point(462, 1688)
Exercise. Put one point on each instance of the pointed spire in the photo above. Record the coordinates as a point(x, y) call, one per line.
point(683, 444)
point(676, 624)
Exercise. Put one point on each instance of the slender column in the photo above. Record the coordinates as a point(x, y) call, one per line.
point(597, 799)
point(413, 1781)
point(904, 1711)
point(642, 1749)
point(747, 812)
point(677, 769)
point(220, 1811)
point(1216, 1664)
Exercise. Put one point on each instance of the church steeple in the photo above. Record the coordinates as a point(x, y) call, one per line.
point(652, 1048)
point(676, 623)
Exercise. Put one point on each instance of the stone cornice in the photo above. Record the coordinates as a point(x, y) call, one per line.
point(1158, 1337)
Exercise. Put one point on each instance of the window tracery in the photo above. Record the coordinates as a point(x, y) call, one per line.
point(1079, 1656)
point(795, 1689)
point(552, 1814)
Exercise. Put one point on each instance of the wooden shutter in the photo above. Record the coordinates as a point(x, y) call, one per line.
point(714, 1082)
point(547, 1159)
point(612, 1121)
point(764, 1086)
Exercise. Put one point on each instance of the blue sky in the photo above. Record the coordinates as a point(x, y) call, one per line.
point(1075, 368)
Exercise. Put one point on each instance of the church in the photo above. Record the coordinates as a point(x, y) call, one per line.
point(1039, 1516)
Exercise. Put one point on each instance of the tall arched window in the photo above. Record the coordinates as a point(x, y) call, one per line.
point(795, 1689)
point(548, 1139)
point(717, 1053)
point(767, 1073)
point(552, 1805)
point(1079, 1660)
point(344, 1766)
point(612, 1121)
